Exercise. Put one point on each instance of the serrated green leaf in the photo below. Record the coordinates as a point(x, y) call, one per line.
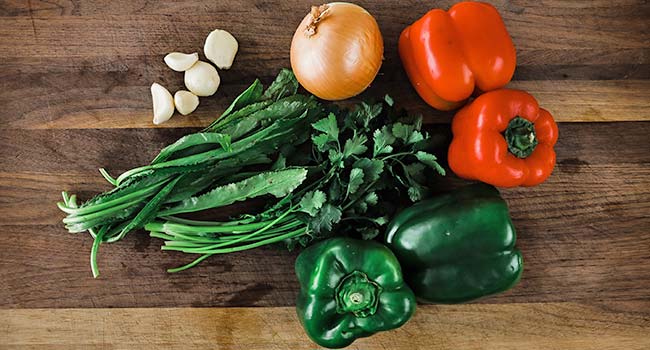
point(381, 221)
point(372, 168)
point(368, 233)
point(325, 219)
point(415, 137)
point(363, 114)
point(312, 201)
point(371, 198)
point(335, 157)
point(276, 183)
point(416, 171)
point(321, 142)
point(335, 190)
point(408, 133)
point(383, 139)
point(360, 207)
point(416, 193)
point(329, 126)
point(285, 84)
point(356, 179)
point(431, 161)
point(355, 145)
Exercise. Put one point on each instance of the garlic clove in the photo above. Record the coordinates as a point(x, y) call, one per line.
point(185, 101)
point(202, 79)
point(163, 103)
point(181, 62)
point(220, 48)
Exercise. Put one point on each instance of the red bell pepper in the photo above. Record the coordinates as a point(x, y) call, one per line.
point(450, 54)
point(505, 139)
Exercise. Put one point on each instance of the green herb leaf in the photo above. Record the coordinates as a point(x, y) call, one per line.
point(250, 95)
point(407, 133)
point(356, 179)
point(329, 126)
point(285, 84)
point(321, 142)
point(381, 221)
point(368, 233)
point(336, 158)
point(372, 168)
point(277, 183)
point(431, 161)
point(416, 171)
point(416, 192)
point(312, 201)
point(383, 139)
point(355, 145)
point(326, 218)
point(335, 190)
point(371, 198)
point(192, 140)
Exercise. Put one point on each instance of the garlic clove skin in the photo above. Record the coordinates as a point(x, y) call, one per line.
point(163, 103)
point(185, 102)
point(181, 62)
point(220, 48)
point(202, 79)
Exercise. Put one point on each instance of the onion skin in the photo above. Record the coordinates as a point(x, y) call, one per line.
point(338, 55)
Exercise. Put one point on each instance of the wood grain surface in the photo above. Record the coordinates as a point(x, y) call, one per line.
point(75, 79)
point(548, 326)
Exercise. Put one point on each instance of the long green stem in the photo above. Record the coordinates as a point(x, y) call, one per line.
point(93, 251)
point(188, 229)
point(101, 206)
point(178, 220)
point(100, 214)
point(243, 237)
point(205, 255)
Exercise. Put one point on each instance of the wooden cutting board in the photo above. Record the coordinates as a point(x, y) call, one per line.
point(75, 79)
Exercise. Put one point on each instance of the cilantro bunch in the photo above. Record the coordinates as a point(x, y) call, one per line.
point(358, 163)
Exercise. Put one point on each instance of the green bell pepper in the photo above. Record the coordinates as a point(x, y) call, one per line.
point(350, 289)
point(457, 247)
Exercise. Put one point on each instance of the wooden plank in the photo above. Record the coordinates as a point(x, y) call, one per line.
point(88, 65)
point(129, 106)
point(602, 326)
point(584, 232)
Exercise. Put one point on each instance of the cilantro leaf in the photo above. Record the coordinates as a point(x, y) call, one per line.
point(408, 133)
point(312, 201)
point(368, 233)
point(329, 126)
point(383, 139)
point(381, 221)
point(363, 114)
point(356, 179)
point(415, 171)
point(335, 189)
point(336, 158)
point(371, 198)
point(431, 161)
point(321, 142)
point(372, 168)
point(416, 192)
point(325, 219)
point(355, 145)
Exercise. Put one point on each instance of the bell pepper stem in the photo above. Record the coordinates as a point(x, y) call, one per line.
point(357, 294)
point(521, 138)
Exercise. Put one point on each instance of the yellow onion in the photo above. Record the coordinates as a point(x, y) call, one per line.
point(337, 50)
